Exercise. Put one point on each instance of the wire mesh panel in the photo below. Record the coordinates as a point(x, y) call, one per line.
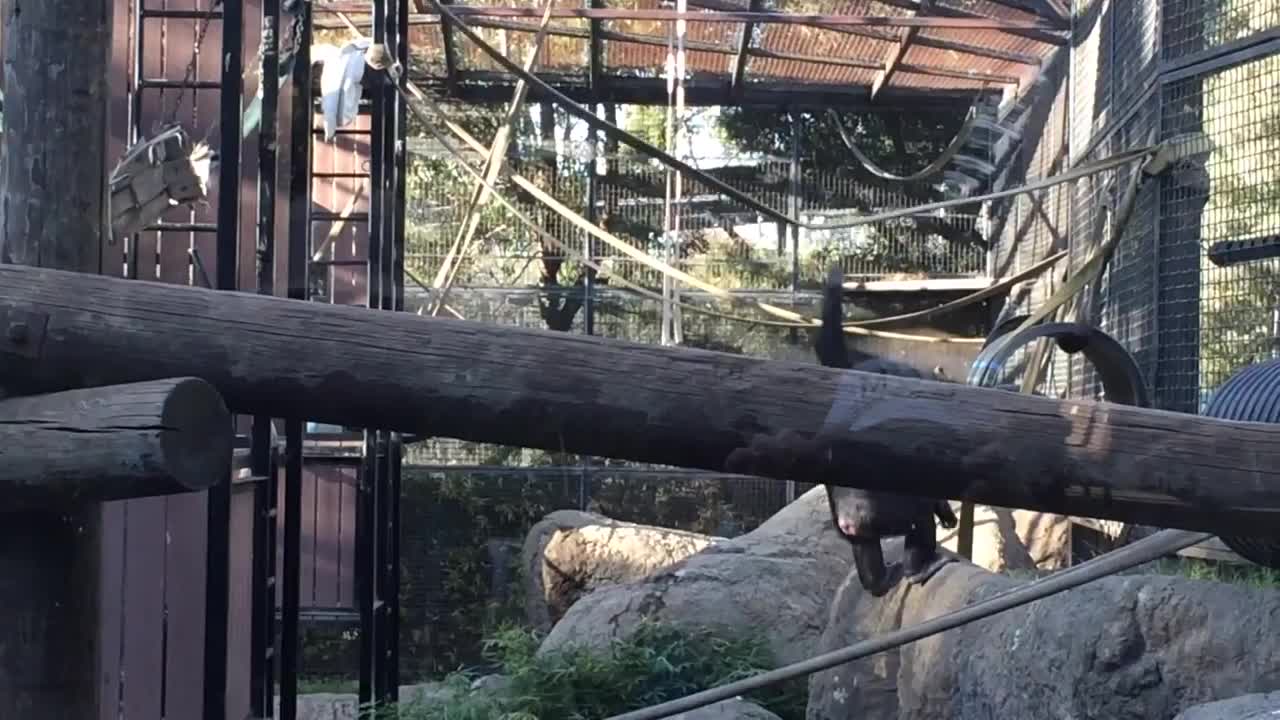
point(1193, 26)
point(1216, 318)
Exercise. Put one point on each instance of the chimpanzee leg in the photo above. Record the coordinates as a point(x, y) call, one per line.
point(868, 558)
point(921, 559)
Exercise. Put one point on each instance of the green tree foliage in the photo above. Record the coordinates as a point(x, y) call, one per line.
point(657, 663)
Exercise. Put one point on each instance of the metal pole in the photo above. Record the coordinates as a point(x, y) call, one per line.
point(218, 549)
point(299, 255)
point(261, 662)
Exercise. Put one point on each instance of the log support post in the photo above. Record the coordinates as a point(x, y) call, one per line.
point(118, 442)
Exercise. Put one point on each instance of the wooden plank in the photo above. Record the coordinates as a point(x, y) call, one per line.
point(185, 571)
point(307, 592)
point(350, 479)
point(239, 647)
point(674, 406)
point(144, 610)
point(327, 529)
point(112, 443)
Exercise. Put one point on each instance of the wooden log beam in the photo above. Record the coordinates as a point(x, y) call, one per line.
point(117, 442)
point(681, 407)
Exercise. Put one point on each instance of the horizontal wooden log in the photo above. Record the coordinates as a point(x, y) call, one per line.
point(95, 444)
point(674, 406)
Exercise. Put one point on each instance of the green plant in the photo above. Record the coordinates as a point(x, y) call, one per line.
point(659, 662)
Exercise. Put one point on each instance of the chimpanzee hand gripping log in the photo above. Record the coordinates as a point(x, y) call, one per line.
point(864, 516)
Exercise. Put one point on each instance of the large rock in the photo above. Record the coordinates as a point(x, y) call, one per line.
point(570, 553)
point(1007, 539)
point(1246, 707)
point(774, 583)
point(1132, 646)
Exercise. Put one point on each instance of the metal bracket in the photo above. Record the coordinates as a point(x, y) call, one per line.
point(22, 332)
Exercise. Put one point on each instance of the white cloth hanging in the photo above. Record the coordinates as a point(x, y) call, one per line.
point(343, 69)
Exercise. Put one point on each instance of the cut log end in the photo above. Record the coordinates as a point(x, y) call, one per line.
point(197, 439)
point(98, 444)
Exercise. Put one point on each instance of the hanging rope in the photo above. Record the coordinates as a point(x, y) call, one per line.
point(933, 168)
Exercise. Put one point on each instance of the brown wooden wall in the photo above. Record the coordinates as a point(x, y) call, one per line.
point(153, 554)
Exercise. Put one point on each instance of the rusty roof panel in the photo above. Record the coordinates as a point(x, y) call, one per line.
point(908, 79)
point(859, 52)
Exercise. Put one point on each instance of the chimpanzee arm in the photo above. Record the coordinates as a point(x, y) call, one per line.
point(946, 516)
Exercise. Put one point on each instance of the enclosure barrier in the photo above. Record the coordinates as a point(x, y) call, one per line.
point(673, 406)
point(1129, 556)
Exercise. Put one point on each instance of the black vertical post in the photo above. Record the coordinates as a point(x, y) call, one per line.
point(793, 210)
point(369, 498)
point(593, 190)
point(262, 634)
point(301, 113)
point(397, 135)
point(218, 550)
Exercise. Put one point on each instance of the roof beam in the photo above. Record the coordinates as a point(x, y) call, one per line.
point(595, 70)
point(450, 54)
point(495, 86)
point(1032, 30)
point(702, 46)
point(1048, 9)
point(740, 62)
point(896, 54)
point(889, 36)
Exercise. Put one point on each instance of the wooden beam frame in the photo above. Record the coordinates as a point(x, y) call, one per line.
point(595, 43)
point(648, 403)
point(703, 46)
point(955, 19)
point(896, 54)
point(450, 54)
point(1050, 10)
point(937, 43)
point(743, 54)
point(1038, 30)
point(495, 87)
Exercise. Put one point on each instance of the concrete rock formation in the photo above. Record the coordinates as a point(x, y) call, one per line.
point(570, 553)
point(774, 582)
point(1257, 706)
point(1140, 646)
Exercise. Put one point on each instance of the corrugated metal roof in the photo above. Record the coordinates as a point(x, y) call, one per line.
point(783, 55)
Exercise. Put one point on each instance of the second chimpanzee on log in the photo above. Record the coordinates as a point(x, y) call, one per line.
point(864, 516)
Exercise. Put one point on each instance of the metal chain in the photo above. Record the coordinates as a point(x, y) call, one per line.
point(187, 78)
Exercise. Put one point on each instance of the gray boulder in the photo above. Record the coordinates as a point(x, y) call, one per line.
point(1132, 646)
point(774, 582)
point(1246, 707)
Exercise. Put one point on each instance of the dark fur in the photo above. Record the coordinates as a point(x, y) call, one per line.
point(864, 516)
